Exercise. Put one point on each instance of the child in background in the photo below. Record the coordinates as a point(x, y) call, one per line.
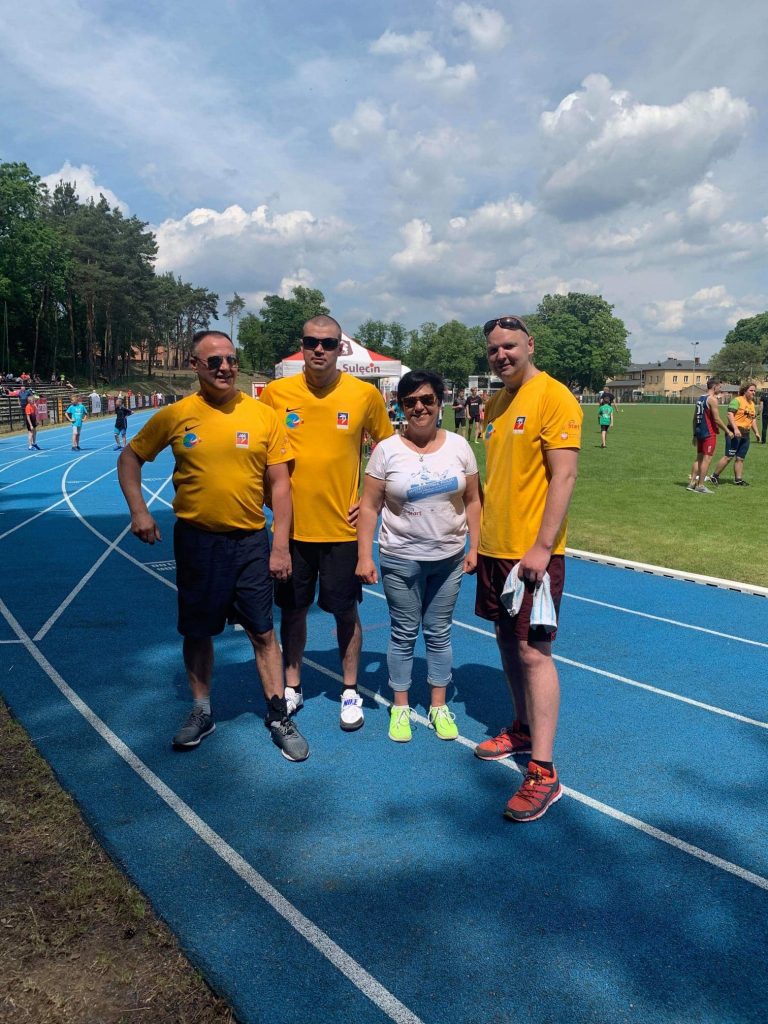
point(76, 413)
point(30, 417)
point(605, 417)
point(121, 424)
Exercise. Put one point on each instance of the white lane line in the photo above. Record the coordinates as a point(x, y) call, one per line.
point(675, 574)
point(671, 622)
point(56, 504)
point(92, 571)
point(316, 937)
point(612, 675)
point(10, 641)
point(611, 812)
point(51, 469)
point(168, 503)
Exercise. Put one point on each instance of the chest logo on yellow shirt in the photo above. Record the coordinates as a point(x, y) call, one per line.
point(488, 431)
point(292, 419)
point(342, 421)
point(190, 440)
point(519, 426)
point(241, 439)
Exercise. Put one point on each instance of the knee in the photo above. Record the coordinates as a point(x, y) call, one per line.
point(532, 656)
point(263, 641)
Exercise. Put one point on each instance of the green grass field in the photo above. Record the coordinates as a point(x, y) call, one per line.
point(631, 499)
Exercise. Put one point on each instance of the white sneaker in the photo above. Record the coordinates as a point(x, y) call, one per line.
point(294, 700)
point(351, 710)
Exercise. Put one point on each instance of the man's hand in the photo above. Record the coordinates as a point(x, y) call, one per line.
point(470, 563)
point(280, 563)
point(533, 564)
point(365, 570)
point(353, 513)
point(145, 528)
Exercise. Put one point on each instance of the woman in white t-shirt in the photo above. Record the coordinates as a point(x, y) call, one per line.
point(425, 484)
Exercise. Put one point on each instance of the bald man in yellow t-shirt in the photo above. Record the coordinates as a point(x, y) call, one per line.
point(326, 413)
point(532, 437)
point(224, 445)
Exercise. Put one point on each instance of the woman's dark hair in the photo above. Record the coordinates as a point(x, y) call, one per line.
point(415, 379)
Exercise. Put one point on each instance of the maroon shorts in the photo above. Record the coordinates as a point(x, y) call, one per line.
point(706, 445)
point(492, 575)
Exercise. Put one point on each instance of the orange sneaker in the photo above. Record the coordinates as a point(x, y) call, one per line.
point(538, 792)
point(511, 740)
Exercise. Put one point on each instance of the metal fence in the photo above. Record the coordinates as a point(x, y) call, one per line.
point(12, 415)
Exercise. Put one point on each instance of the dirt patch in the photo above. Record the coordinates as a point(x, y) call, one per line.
point(78, 943)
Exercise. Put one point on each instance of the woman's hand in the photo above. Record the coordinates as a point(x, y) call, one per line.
point(365, 570)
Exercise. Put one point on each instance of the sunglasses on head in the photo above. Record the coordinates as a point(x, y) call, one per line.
point(214, 362)
point(426, 400)
point(329, 344)
point(507, 323)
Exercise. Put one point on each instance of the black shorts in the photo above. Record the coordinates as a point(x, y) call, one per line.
point(492, 575)
point(334, 564)
point(222, 577)
point(737, 446)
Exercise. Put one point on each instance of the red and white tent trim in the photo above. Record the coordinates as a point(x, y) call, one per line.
point(353, 358)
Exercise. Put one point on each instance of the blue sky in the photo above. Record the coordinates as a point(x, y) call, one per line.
point(420, 162)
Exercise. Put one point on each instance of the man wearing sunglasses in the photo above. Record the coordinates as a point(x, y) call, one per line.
point(532, 437)
point(224, 444)
point(327, 412)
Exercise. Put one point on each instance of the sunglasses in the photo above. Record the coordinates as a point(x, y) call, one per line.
point(214, 362)
point(507, 323)
point(329, 344)
point(426, 400)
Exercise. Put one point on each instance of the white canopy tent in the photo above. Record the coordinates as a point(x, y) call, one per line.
point(353, 358)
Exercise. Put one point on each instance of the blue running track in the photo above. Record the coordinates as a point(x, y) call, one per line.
point(378, 881)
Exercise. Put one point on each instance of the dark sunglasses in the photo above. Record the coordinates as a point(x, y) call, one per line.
point(329, 344)
point(507, 323)
point(426, 400)
point(214, 362)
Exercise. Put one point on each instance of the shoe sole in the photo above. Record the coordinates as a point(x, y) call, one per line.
point(400, 739)
point(353, 727)
point(295, 760)
point(501, 757)
point(510, 815)
point(193, 743)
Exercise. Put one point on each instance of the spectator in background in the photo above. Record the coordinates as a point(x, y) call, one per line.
point(121, 424)
point(706, 426)
point(605, 418)
point(459, 412)
point(765, 417)
point(741, 420)
point(30, 418)
point(76, 413)
point(474, 405)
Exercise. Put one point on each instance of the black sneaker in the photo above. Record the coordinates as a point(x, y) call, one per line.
point(197, 726)
point(287, 737)
point(714, 480)
point(741, 483)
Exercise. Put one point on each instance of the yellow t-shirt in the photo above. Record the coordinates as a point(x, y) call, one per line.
point(221, 455)
point(543, 415)
point(743, 412)
point(325, 428)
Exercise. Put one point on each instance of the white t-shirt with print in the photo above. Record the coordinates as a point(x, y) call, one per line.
point(423, 517)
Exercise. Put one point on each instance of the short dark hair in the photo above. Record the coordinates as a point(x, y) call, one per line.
point(415, 379)
point(322, 320)
point(712, 381)
point(198, 336)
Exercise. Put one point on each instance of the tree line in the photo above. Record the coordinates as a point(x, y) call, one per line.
point(78, 288)
point(744, 355)
point(578, 339)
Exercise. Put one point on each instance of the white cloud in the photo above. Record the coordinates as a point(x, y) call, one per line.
point(84, 180)
point(487, 28)
point(435, 68)
point(367, 124)
point(419, 248)
point(608, 151)
point(712, 306)
point(393, 44)
point(494, 219)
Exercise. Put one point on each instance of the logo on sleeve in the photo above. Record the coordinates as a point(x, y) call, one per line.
point(342, 421)
point(241, 439)
point(519, 426)
point(488, 431)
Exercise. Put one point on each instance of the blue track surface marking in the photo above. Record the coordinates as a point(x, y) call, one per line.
point(378, 881)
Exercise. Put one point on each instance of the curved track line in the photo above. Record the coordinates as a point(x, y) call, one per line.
point(316, 937)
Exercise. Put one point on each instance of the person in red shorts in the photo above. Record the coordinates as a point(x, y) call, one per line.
point(532, 437)
point(706, 426)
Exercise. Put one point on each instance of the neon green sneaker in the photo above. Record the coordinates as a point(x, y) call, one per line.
point(443, 722)
point(400, 724)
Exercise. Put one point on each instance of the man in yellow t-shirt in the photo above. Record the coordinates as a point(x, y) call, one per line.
point(224, 443)
point(326, 412)
point(741, 421)
point(532, 437)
